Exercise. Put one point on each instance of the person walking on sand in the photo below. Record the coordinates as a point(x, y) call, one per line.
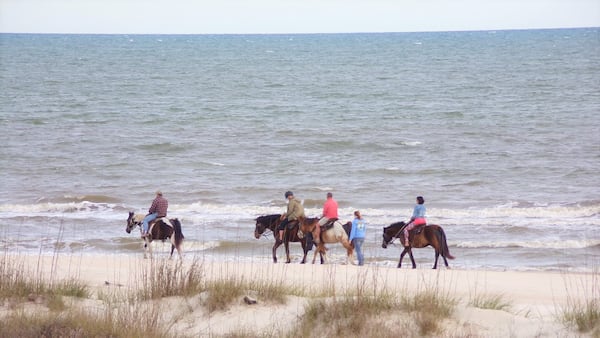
point(330, 211)
point(418, 218)
point(294, 211)
point(357, 235)
point(157, 209)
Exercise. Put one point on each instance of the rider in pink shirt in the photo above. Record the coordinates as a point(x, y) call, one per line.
point(330, 210)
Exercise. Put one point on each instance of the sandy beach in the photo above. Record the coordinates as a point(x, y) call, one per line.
point(535, 298)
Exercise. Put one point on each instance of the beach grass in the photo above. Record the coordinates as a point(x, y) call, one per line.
point(490, 302)
point(171, 298)
point(584, 315)
point(17, 283)
point(165, 278)
point(46, 307)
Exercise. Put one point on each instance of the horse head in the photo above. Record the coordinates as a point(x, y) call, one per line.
point(133, 220)
point(266, 222)
point(391, 232)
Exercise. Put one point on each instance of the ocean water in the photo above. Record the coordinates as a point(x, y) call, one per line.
point(498, 130)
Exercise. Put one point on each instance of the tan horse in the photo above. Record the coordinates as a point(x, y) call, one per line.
point(335, 234)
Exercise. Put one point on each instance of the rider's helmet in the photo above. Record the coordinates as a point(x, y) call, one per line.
point(288, 194)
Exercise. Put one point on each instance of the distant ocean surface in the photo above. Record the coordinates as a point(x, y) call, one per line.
point(498, 130)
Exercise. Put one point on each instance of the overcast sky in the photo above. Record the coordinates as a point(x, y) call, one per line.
point(290, 16)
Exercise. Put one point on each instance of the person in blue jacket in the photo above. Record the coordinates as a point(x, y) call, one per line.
point(357, 235)
point(418, 218)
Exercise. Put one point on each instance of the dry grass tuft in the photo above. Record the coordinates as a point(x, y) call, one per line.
point(490, 302)
point(584, 315)
point(76, 323)
point(224, 292)
point(18, 284)
point(166, 278)
point(429, 308)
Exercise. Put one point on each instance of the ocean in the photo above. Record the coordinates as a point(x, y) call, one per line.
point(498, 130)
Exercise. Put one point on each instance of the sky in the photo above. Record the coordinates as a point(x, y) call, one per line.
point(290, 16)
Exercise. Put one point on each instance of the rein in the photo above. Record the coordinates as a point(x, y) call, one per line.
point(397, 233)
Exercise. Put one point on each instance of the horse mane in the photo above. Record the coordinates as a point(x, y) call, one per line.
point(268, 219)
point(397, 224)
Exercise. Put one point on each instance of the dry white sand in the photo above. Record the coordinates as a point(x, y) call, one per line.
point(535, 298)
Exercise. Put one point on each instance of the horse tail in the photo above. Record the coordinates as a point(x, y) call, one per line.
point(178, 233)
point(444, 244)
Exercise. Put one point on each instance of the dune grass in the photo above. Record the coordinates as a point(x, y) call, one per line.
point(490, 302)
point(584, 315)
point(166, 278)
point(222, 293)
point(369, 310)
point(43, 306)
point(429, 307)
point(16, 283)
point(40, 309)
point(79, 323)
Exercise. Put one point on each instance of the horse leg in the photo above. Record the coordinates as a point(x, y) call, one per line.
point(287, 250)
point(318, 250)
point(412, 259)
point(402, 257)
point(275, 246)
point(437, 256)
point(304, 249)
point(349, 252)
point(175, 245)
point(147, 248)
point(442, 246)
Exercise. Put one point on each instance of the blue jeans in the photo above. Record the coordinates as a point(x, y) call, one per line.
point(358, 242)
point(149, 218)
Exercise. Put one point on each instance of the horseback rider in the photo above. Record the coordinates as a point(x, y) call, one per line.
point(330, 211)
point(294, 211)
point(418, 218)
point(158, 209)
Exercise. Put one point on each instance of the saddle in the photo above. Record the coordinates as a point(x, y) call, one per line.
point(292, 224)
point(165, 220)
point(329, 224)
point(418, 229)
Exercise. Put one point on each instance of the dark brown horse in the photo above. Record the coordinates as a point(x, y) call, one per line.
point(418, 238)
point(271, 222)
point(159, 230)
